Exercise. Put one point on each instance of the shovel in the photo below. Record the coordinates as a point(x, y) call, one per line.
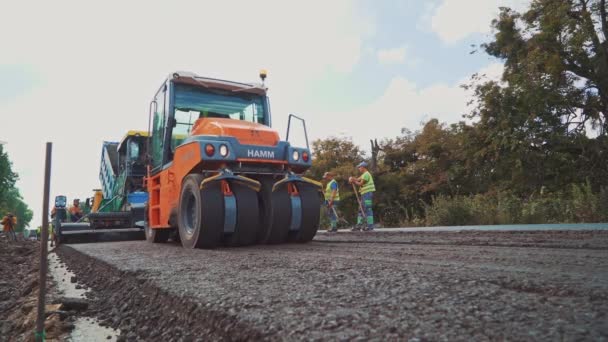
point(341, 219)
point(361, 210)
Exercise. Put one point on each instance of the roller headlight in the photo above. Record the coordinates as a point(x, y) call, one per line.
point(296, 155)
point(223, 151)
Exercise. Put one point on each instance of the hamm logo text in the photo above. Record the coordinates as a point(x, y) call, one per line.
point(260, 154)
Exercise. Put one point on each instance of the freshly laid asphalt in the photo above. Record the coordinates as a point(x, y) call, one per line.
point(536, 285)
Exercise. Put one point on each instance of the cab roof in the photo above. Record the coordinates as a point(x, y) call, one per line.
point(132, 133)
point(188, 77)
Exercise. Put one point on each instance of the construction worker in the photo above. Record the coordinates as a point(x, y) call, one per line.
point(9, 222)
point(75, 211)
point(367, 188)
point(51, 234)
point(332, 200)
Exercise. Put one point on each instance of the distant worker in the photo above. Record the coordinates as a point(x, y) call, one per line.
point(332, 200)
point(367, 188)
point(75, 211)
point(51, 234)
point(9, 222)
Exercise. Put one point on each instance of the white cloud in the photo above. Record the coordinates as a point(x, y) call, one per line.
point(391, 56)
point(492, 71)
point(454, 20)
point(402, 105)
point(100, 64)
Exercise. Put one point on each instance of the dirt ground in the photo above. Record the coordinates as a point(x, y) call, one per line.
point(19, 295)
point(356, 286)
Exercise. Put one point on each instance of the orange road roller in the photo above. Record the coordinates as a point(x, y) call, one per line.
point(218, 174)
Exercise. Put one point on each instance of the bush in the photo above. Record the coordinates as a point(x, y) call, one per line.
point(573, 205)
point(603, 205)
point(544, 210)
point(584, 204)
point(446, 211)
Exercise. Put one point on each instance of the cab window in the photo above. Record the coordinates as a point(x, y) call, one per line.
point(158, 129)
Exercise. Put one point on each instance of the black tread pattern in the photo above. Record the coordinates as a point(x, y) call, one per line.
point(311, 212)
point(212, 212)
point(248, 216)
point(156, 235)
point(266, 209)
point(281, 215)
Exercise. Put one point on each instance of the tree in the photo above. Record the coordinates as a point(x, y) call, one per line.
point(557, 49)
point(529, 141)
point(10, 198)
point(340, 156)
point(17, 206)
point(375, 148)
point(554, 85)
point(419, 166)
point(7, 176)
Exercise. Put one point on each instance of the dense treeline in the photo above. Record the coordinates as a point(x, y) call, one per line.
point(535, 148)
point(10, 198)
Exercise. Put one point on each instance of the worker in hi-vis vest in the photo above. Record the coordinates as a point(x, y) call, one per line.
point(367, 189)
point(75, 211)
point(332, 200)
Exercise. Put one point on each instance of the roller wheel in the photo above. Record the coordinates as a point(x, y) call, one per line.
point(311, 213)
point(248, 217)
point(175, 236)
point(200, 216)
point(153, 235)
point(156, 235)
point(281, 215)
point(265, 207)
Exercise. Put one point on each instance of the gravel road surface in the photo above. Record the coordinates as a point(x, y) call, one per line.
point(380, 285)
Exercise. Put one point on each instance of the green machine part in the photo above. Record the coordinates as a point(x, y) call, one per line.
point(116, 200)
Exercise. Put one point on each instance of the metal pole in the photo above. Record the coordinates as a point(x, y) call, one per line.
point(43, 245)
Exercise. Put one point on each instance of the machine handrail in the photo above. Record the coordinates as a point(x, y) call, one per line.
point(289, 127)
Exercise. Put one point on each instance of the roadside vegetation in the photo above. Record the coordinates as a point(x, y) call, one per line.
point(534, 148)
point(10, 198)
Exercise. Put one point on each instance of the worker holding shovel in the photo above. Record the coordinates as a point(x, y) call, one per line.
point(9, 222)
point(332, 200)
point(366, 189)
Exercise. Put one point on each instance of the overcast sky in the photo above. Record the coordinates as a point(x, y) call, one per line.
point(77, 72)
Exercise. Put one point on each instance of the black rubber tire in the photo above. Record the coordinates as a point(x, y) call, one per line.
point(248, 216)
point(200, 217)
point(174, 236)
point(160, 235)
point(281, 215)
point(154, 235)
point(311, 213)
point(265, 209)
